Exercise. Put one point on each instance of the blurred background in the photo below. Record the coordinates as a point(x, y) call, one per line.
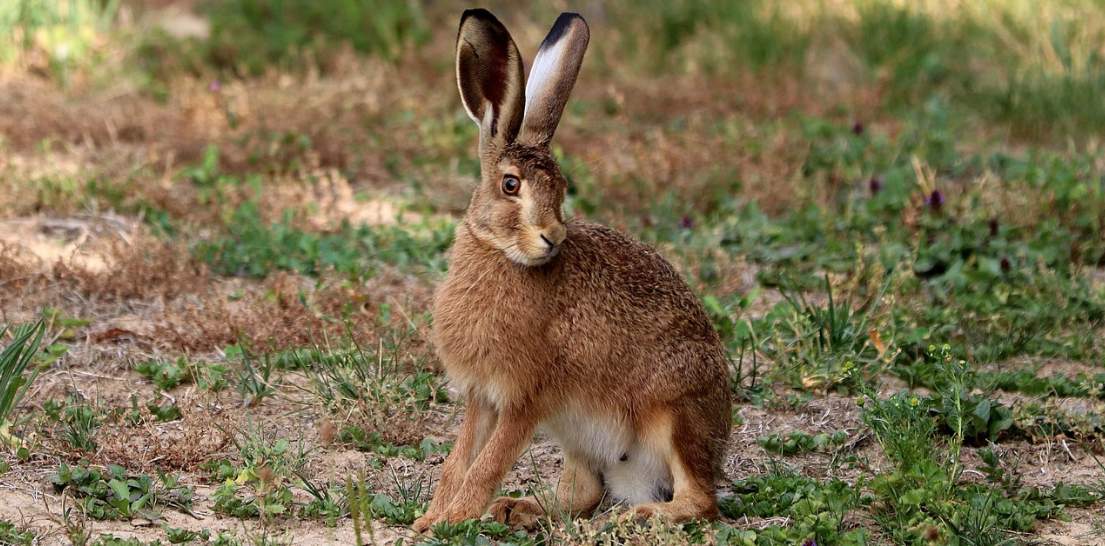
point(796, 137)
point(862, 192)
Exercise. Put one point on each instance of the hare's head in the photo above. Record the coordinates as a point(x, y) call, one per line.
point(516, 207)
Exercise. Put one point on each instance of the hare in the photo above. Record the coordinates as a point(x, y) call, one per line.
point(566, 326)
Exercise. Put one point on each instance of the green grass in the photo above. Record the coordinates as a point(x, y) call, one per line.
point(923, 497)
point(826, 346)
point(329, 504)
point(1026, 381)
point(995, 280)
point(254, 248)
point(15, 378)
point(248, 36)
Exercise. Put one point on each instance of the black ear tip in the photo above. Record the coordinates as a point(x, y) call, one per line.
point(478, 13)
point(567, 22)
point(569, 17)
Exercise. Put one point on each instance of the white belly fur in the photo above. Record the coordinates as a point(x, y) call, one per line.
point(603, 441)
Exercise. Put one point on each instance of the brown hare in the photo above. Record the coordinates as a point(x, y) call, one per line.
point(566, 326)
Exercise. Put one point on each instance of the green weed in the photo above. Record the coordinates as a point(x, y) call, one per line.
point(364, 506)
point(78, 422)
point(10, 534)
point(260, 488)
point(1026, 381)
point(261, 454)
point(473, 532)
point(374, 442)
point(267, 501)
point(327, 503)
point(816, 509)
point(826, 346)
point(112, 540)
point(118, 494)
point(801, 442)
point(255, 380)
point(364, 391)
point(183, 536)
point(165, 374)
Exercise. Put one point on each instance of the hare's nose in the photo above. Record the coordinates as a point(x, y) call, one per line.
point(554, 235)
point(548, 242)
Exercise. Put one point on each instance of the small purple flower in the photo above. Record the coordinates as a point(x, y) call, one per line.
point(810, 542)
point(215, 86)
point(993, 227)
point(687, 222)
point(1005, 265)
point(875, 184)
point(935, 200)
point(857, 128)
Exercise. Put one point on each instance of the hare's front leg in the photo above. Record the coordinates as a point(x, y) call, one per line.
point(479, 420)
point(512, 434)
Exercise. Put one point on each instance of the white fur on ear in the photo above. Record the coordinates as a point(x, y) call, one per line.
point(552, 77)
point(542, 73)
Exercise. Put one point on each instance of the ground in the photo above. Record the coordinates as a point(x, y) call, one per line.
point(225, 221)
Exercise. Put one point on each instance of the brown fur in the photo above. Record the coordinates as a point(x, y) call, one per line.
point(602, 330)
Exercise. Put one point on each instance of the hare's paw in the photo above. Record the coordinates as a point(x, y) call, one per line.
point(422, 524)
point(523, 512)
point(646, 511)
point(460, 511)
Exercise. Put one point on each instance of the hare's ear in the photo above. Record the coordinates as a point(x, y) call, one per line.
point(490, 76)
point(551, 79)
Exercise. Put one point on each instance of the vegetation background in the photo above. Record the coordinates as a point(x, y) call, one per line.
point(221, 223)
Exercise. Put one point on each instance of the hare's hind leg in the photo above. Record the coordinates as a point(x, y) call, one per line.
point(578, 492)
point(686, 450)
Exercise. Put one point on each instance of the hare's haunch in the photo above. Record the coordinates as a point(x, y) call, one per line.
point(566, 326)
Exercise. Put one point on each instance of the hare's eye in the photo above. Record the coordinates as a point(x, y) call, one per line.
point(511, 185)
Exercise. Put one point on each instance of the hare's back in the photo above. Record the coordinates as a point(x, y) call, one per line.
point(624, 308)
point(625, 279)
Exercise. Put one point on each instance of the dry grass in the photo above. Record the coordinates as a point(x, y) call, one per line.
point(145, 269)
point(202, 434)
